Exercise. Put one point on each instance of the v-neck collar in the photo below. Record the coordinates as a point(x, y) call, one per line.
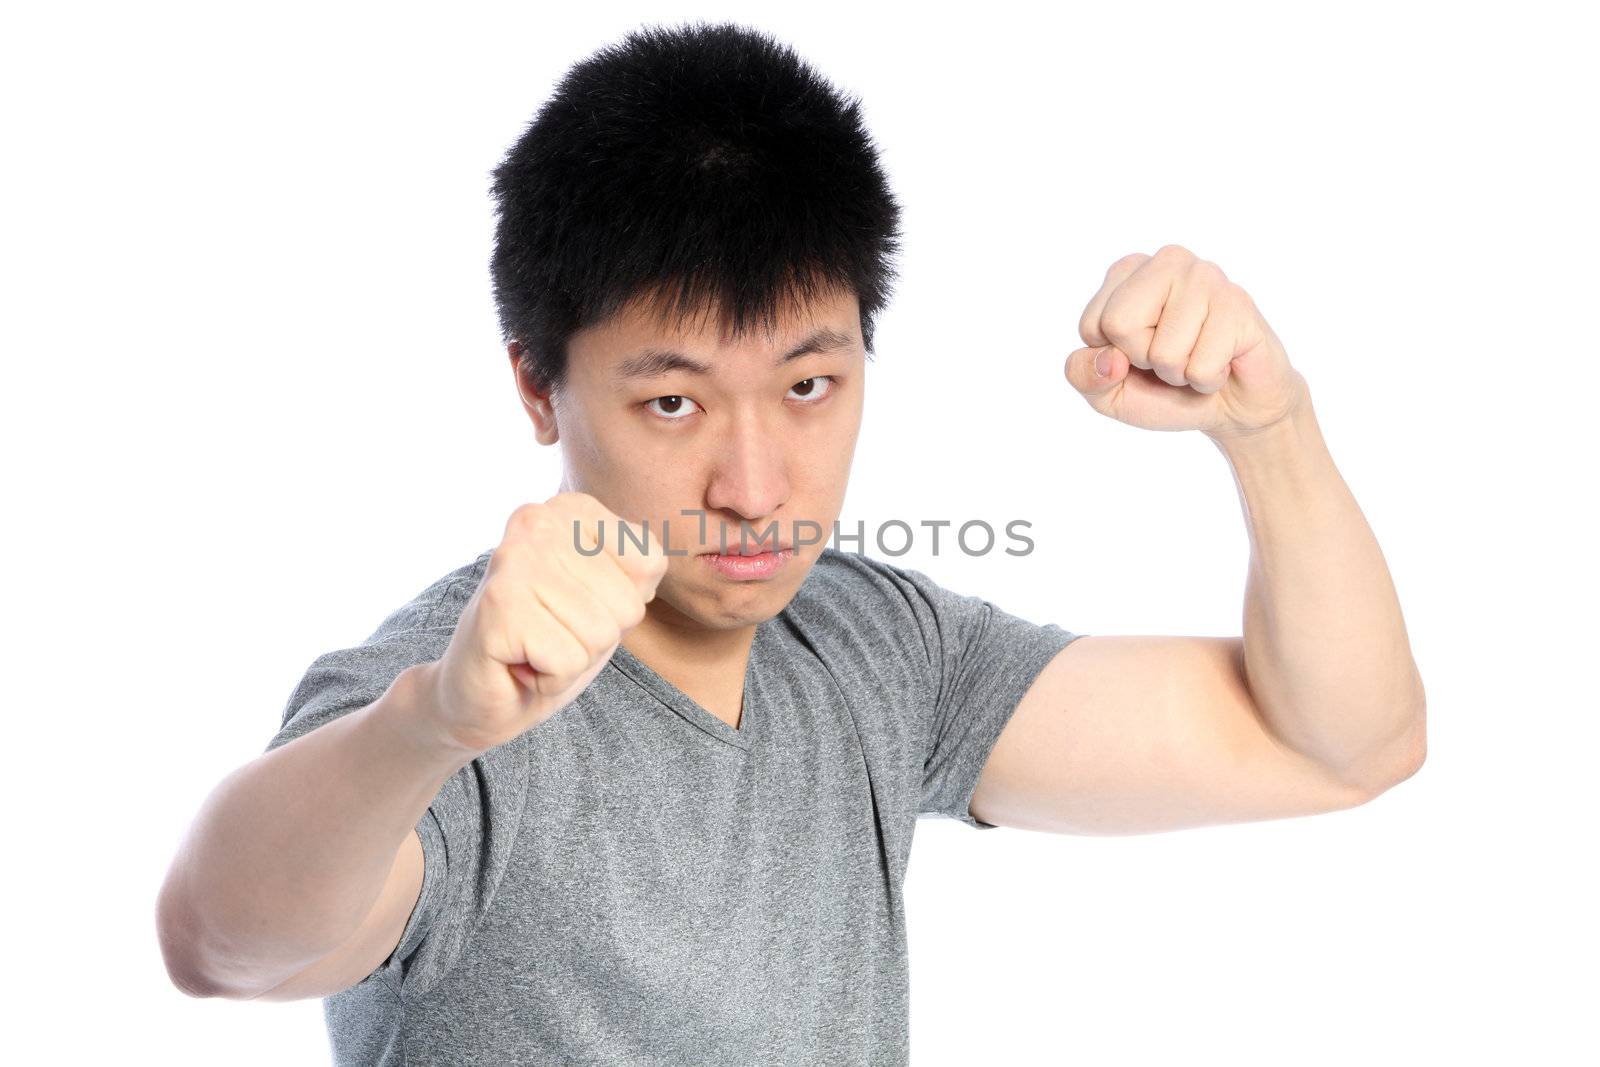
point(688, 709)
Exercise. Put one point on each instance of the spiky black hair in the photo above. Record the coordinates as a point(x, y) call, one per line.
point(708, 159)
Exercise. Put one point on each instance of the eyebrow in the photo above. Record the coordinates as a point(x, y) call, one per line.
point(655, 362)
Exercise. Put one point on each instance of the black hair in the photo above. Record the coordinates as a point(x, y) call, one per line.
point(709, 158)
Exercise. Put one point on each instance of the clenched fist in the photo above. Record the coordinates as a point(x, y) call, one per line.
point(545, 619)
point(1174, 345)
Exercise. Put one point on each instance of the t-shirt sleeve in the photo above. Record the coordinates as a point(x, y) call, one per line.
point(467, 831)
point(982, 660)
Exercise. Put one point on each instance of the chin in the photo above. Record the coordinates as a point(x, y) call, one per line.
point(719, 604)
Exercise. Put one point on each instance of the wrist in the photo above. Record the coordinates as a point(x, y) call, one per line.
point(1287, 462)
point(1296, 428)
point(408, 714)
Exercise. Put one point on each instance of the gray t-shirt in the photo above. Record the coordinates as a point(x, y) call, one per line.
point(634, 881)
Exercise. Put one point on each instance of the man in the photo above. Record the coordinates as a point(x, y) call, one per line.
point(638, 784)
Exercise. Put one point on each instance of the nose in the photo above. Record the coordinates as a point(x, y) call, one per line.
point(749, 476)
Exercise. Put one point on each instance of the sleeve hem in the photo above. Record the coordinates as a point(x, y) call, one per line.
point(417, 925)
point(1013, 688)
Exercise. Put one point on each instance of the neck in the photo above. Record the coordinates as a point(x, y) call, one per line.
point(708, 666)
point(689, 651)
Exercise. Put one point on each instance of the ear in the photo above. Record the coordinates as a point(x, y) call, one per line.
point(535, 401)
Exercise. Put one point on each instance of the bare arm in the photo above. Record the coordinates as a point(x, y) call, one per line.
point(300, 871)
point(1326, 654)
point(1142, 734)
point(374, 940)
point(308, 849)
point(1319, 706)
point(298, 875)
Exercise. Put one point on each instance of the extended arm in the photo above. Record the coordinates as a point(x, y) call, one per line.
point(305, 857)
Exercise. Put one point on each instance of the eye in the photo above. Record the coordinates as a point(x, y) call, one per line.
point(814, 389)
point(673, 408)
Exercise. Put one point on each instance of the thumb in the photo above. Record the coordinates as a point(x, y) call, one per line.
point(1084, 366)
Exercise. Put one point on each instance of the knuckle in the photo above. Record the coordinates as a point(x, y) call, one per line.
point(587, 506)
point(531, 522)
point(1088, 324)
point(1164, 352)
point(1115, 321)
point(492, 595)
point(1132, 259)
point(572, 660)
point(1232, 300)
point(1174, 253)
point(1206, 271)
point(1167, 361)
point(565, 505)
point(526, 513)
point(643, 563)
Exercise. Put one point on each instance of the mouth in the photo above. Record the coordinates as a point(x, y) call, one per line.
point(750, 550)
point(748, 562)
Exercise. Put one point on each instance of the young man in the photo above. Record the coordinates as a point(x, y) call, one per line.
point(583, 801)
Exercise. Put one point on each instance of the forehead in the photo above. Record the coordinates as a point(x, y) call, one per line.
point(647, 328)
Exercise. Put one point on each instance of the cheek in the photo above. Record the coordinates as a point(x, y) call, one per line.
point(819, 478)
point(830, 451)
point(607, 466)
point(649, 471)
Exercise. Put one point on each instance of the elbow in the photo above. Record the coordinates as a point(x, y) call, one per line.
point(194, 965)
point(1413, 746)
point(182, 948)
point(177, 949)
point(1410, 760)
point(186, 983)
point(1398, 760)
point(1417, 753)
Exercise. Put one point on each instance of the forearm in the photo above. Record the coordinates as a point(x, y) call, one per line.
point(289, 853)
point(1327, 658)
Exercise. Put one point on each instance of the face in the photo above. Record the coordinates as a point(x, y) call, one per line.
point(711, 440)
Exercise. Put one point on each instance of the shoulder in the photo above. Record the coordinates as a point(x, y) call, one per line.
point(890, 592)
point(870, 605)
point(438, 606)
point(852, 572)
point(343, 679)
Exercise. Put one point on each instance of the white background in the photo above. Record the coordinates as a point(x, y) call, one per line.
point(255, 399)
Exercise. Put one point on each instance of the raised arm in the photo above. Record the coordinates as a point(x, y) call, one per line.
point(1319, 705)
